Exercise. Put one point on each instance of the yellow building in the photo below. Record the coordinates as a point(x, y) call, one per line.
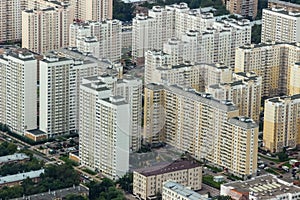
point(282, 123)
point(272, 61)
point(147, 182)
point(202, 126)
point(294, 86)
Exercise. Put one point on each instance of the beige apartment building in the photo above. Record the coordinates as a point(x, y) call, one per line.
point(283, 4)
point(244, 91)
point(107, 35)
point(147, 182)
point(280, 25)
point(273, 62)
point(201, 125)
point(294, 86)
point(11, 20)
point(242, 7)
point(95, 10)
point(281, 123)
point(45, 29)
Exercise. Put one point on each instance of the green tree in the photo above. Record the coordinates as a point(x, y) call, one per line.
point(126, 182)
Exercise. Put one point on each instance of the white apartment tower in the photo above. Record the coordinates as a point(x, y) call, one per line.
point(18, 88)
point(203, 38)
point(59, 93)
point(280, 25)
point(104, 130)
point(57, 96)
point(107, 33)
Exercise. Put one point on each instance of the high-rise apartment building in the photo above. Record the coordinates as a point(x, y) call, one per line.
point(59, 93)
point(104, 130)
point(272, 61)
point(215, 44)
point(244, 91)
point(280, 25)
point(45, 29)
point(107, 33)
point(18, 91)
point(246, 8)
point(11, 20)
point(159, 68)
point(281, 123)
point(203, 38)
point(131, 90)
point(95, 10)
point(202, 126)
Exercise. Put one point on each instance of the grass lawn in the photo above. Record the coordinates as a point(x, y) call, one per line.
point(89, 171)
point(209, 180)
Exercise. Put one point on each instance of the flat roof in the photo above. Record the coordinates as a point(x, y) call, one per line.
point(169, 167)
point(263, 187)
point(13, 157)
point(36, 132)
point(56, 194)
point(183, 191)
point(21, 176)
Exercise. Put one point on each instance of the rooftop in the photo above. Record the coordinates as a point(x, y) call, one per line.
point(263, 187)
point(21, 176)
point(36, 132)
point(13, 157)
point(57, 194)
point(169, 167)
point(183, 191)
point(244, 122)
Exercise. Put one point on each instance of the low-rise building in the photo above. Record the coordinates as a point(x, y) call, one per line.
point(16, 179)
point(17, 157)
point(266, 187)
point(173, 190)
point(58, 194)
point(36, 135)
point(147, 182)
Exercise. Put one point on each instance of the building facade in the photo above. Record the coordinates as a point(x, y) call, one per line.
point(38, 27)
point(59, 93)
point(147, 182)
point(104, 130)
point(202, 126)
point(273, 62)
point(244, 91)
point(280, 25)
point(197, 29)
point(11, 20)
point(95, 10)
point(108, 35)
point(18, 87)
point(281, 123)
point(242, 7)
